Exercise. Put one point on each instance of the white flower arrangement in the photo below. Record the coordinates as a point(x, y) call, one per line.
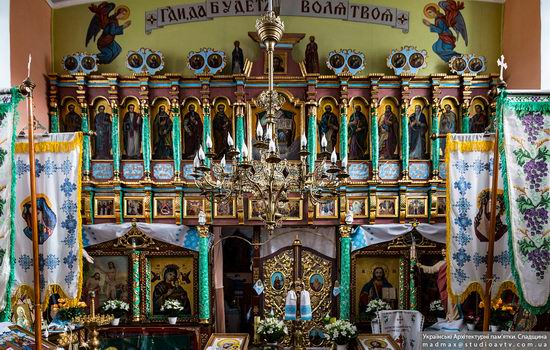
point(116, 307)
point(376, 305)
point(272, 329)
point(436, 305)
point(172, 306)
point(341, 332)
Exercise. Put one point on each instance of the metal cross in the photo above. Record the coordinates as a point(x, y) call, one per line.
point(503, 65)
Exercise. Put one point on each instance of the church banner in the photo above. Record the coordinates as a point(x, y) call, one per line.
point(525, 122)
point(469, 161)
point(58, 161)
point(8, 123)
point(335, 9)
point(405, 326)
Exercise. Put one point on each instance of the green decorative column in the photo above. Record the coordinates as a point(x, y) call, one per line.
point(374, 140)
point(115, 143)
point(207, 129)
point(54, 120)
point(204, 276)
point(412, 287)
point(311, 139)
point(176, 140)
point(405, 156)
point(91, 203)
point(239, 129)
point(345, 255)
point(86, 151)
point(465, 118)
point(136, 308)
point(435, 143)
point(343, 132)
point(146, 140)
point(402, 272)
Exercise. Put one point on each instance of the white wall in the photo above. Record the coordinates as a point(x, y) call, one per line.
point(5, 71)
point(544, 44)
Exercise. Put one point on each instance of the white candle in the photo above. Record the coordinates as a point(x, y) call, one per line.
point(222, 162)
point(245, 151)
point(229, 140)
point(270, 5)
point(208, 142)
point(324, 141)
point(345, 162)
point(272, 146)
point(202, 156)
point(333, 157)
point(259, 131)
point(303, 140)
point(269, 132)
point(196, 161)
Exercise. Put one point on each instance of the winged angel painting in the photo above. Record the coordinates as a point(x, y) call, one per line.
point(445, 45)
point(106, 20)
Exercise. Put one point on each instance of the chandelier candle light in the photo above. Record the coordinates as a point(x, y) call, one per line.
point(269, 179)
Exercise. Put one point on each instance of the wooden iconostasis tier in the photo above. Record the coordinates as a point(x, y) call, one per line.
point(143, 132)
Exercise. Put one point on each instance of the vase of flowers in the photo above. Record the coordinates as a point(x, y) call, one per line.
point(501, 315)
point(117, 308)
point(172, 308)
point(471, 321)
point(372, 308)
point(341, 332)
point(436, 307)
point(272, 330)
point(68, 310)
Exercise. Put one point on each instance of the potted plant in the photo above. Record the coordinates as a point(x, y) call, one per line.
point(172, 308)
point(501, 315)
point(436, 307)
point(68, 310)
point(272, 330)
point(372, 308)
point(340, 332)
point(117, 308)
point(471, 322)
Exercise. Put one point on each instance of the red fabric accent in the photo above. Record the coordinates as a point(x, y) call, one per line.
point(452, 11)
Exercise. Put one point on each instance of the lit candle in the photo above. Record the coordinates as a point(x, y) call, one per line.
point(259, 131)
point(270, 5)
point(245, 151)
point(222, 162)
point(272, 146)
point(324, 141)
point(269, 132)
point(345, 162)
point(229, 140)
point(303, 140)
point(333, 156)
point(202, 156)
point(196, 161)
point(208, 142)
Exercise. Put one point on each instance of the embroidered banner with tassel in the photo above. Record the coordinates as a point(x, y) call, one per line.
point(58, 189)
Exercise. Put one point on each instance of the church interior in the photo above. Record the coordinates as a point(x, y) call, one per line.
point(273, 174)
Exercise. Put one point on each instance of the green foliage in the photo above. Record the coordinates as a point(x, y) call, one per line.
point(524, 203)
point(522, 156)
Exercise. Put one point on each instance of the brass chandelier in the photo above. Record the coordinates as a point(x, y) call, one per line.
point(270, 179)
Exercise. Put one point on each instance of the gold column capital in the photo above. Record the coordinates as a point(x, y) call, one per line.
point(345, 230)
point(204, 231)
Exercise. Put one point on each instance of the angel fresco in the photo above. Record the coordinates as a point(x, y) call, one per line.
point(109, 26)
point(445, 45)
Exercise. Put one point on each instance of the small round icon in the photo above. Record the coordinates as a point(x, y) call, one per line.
point(135, 60)
point(70, 63)
point(398, 60)
point(416, 60)
point(215, 61)
point(196, 61)
point(337, 61)
point(355, 61)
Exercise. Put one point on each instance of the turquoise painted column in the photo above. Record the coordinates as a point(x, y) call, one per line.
point(465, 118)
point(54, 120)
point(239, 129)
point(136, 313)
point(86, 143)
point(345, 255)
point(412, 286)
point(207, 129)
point(146, 139)
point(343, 132)
point(312, 138)
point(176, 140)
point(405, 156)
point(115, 143)
point(435, 143)
point(204, 276)
point(374, 140)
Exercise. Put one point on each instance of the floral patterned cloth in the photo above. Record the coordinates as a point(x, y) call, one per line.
point(405, 326)
point(526, 139)
point(58, 164)
point(470, 171)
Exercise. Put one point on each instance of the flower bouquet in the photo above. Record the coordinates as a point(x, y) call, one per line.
point(271, 329)
point(471, 321)
point(341, 332)
point(501, 314)
point(437, 308)
point(117, 308)
point(69, 309)
point(374, 306)
point(172, 308)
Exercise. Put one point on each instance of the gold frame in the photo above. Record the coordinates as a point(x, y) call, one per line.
point(396, 206)
point(424, 199)
point(125, 211)
point(185, 199)
point(437, 215)
point(234, 209)
point(249, 211)
point(243, 337)
point(301, 209)
point(96, 199)
point(284, 55)
point(318, 213)
point(155, 199)
point(366, 206)
point(386, 337)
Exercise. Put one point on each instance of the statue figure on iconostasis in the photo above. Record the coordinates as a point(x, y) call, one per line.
point(222, 128)
point(329, 127)
point(389, 134)
point(312, 57)
point(132, 132)
point(103, 131)
point(192, 132)
point(479, 121)
point(358, 135)
point(162, 135)
point(446, 125)
point(418, 126)
point(73, 120)
point(237, 63)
